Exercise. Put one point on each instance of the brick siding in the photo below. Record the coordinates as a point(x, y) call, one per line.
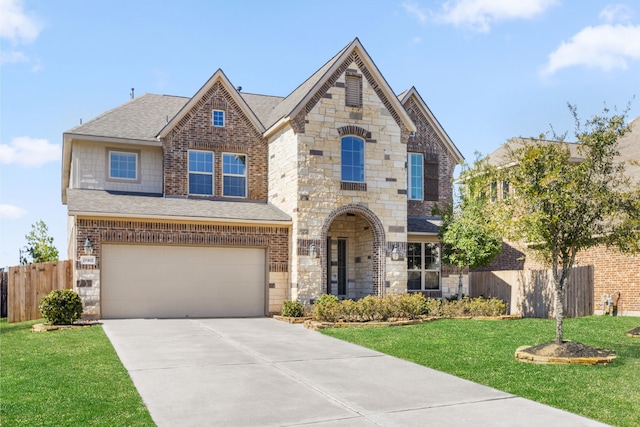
point(196, 131)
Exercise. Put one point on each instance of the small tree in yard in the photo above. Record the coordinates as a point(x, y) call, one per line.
point(563, 204)
point(39, 246)
point(468, 237)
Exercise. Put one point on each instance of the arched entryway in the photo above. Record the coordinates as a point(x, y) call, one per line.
point(353, 259)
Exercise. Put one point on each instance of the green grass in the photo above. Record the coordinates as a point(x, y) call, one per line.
point(64, 378)
point(483, 352)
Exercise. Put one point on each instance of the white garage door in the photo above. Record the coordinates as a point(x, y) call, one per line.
point(181, 281)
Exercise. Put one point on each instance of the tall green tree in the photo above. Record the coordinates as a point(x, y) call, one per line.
point(468, 237)
point(566, 203)
point(39, 246)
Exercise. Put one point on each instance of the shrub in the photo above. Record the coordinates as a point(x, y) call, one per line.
point(292, 309)
point(61, 307)
point(433, 307)
point(412, 305)
point(326, 308)
point(487, 307)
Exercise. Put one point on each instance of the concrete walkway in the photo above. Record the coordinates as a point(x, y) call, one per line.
point(262, 372)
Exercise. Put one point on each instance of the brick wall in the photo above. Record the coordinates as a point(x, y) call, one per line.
point(196, 131)
point(427, 141)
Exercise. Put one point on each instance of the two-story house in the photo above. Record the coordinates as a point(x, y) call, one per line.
point(229, 203)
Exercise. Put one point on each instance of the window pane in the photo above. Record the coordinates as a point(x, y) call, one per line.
point(200, 184)
point(234, 164)
point(234, 186)
point(122, 165)
point(415, 176)
point(413, 283)
point(352, 157)
point(218, 118)
point(414, 256)
point(431, 280)
point(200, 161)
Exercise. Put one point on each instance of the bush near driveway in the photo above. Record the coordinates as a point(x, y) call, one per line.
point(64, 378)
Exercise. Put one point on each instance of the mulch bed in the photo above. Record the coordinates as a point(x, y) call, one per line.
point(568, 352)
point(634, 333)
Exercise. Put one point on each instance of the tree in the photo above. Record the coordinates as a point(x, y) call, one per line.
point(468, 238)
point(564, 203)
point(39, 246)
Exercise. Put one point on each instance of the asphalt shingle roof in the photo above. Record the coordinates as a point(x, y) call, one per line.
point(139, 119)
point(107, 203)
point(424, 224)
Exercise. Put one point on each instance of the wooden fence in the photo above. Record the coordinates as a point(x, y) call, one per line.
point(531, 293)
point(4, 283)
point(29, 283)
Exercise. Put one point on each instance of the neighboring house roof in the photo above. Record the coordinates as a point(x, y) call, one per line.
point(262, 105)
point(501, 157)
point(629, 147)
point(112, 204)
point(444, 137)
point(424, 224)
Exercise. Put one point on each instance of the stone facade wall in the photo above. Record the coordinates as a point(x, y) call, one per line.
point(274, 238)
point(196, 131)
point(90, 163)
point(320, 191)
point(427, 142)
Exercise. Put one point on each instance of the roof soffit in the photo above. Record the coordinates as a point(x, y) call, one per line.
point(218, 76)
point(413, 92)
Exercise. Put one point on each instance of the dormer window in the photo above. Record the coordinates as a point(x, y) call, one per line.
point(353, 88)
point(218, 118)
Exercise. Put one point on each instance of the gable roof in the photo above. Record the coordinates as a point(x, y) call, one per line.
point(298, 99)
point(233, 92)
point(501, 157)
point(444, 137)
point(629, 148)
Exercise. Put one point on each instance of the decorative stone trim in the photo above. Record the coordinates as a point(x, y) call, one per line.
point(522, 356)
point(354, 130)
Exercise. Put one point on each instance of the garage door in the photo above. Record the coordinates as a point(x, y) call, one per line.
point(180, 281)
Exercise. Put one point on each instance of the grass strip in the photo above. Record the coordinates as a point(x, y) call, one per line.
point(483, 351)
point(64, 378)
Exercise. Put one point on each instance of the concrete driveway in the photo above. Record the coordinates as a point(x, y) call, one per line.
point(261, 372)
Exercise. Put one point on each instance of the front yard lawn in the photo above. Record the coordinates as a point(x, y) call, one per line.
point(483, 351)
point(64, 378)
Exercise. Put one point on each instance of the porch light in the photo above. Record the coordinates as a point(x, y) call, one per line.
point(88, 247)
point(313, 251)
point(395, 254)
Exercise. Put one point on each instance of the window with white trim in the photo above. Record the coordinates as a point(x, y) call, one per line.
point(423, 266)
point(217, 117)
point(415, 176)
point(352, 152)
point(234, 175)
point(123, 165)
point(201, 172)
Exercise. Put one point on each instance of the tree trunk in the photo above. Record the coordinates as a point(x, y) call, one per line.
point(559, 311)
point(460, 286)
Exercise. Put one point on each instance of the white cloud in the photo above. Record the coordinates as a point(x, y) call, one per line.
point(479, 15)
point(29, 152)
point(414, 10)
point(604, 46)
point(11, 212)
point(15, 24)
point(616, 13)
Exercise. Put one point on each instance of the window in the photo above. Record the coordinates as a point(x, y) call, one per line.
point(415, 176)
point(218, 118)
point(493, 191)
point(431, 177)
point(123, 165)
point(200, 172)
point(234, 175)
point(352, 159)
point(505, 190)
point(423, 266)
point(353, 89)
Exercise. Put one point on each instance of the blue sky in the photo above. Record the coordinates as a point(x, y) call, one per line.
point(488, 69)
